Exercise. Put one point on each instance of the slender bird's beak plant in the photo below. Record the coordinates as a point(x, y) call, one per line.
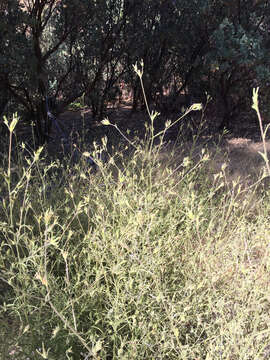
point(255, 106)
point(147, 264)
point(153, 115)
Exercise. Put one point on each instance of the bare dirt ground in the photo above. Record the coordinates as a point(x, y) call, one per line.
point(239, 149)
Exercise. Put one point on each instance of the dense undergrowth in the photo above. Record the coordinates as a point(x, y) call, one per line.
point(135, 260)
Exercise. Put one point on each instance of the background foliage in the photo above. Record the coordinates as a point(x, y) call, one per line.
point(62, 49)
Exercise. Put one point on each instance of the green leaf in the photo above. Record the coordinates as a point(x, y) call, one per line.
point(255, 99)
point(105, 122)
point(13, 122)
point(37, 153)
point(196, 107)
point(263, 156)
point(176, 332)
point(97, 347)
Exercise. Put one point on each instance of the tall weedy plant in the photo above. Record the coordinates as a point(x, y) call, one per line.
point(7, 176)
point(255, 106)
point(152, 152)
